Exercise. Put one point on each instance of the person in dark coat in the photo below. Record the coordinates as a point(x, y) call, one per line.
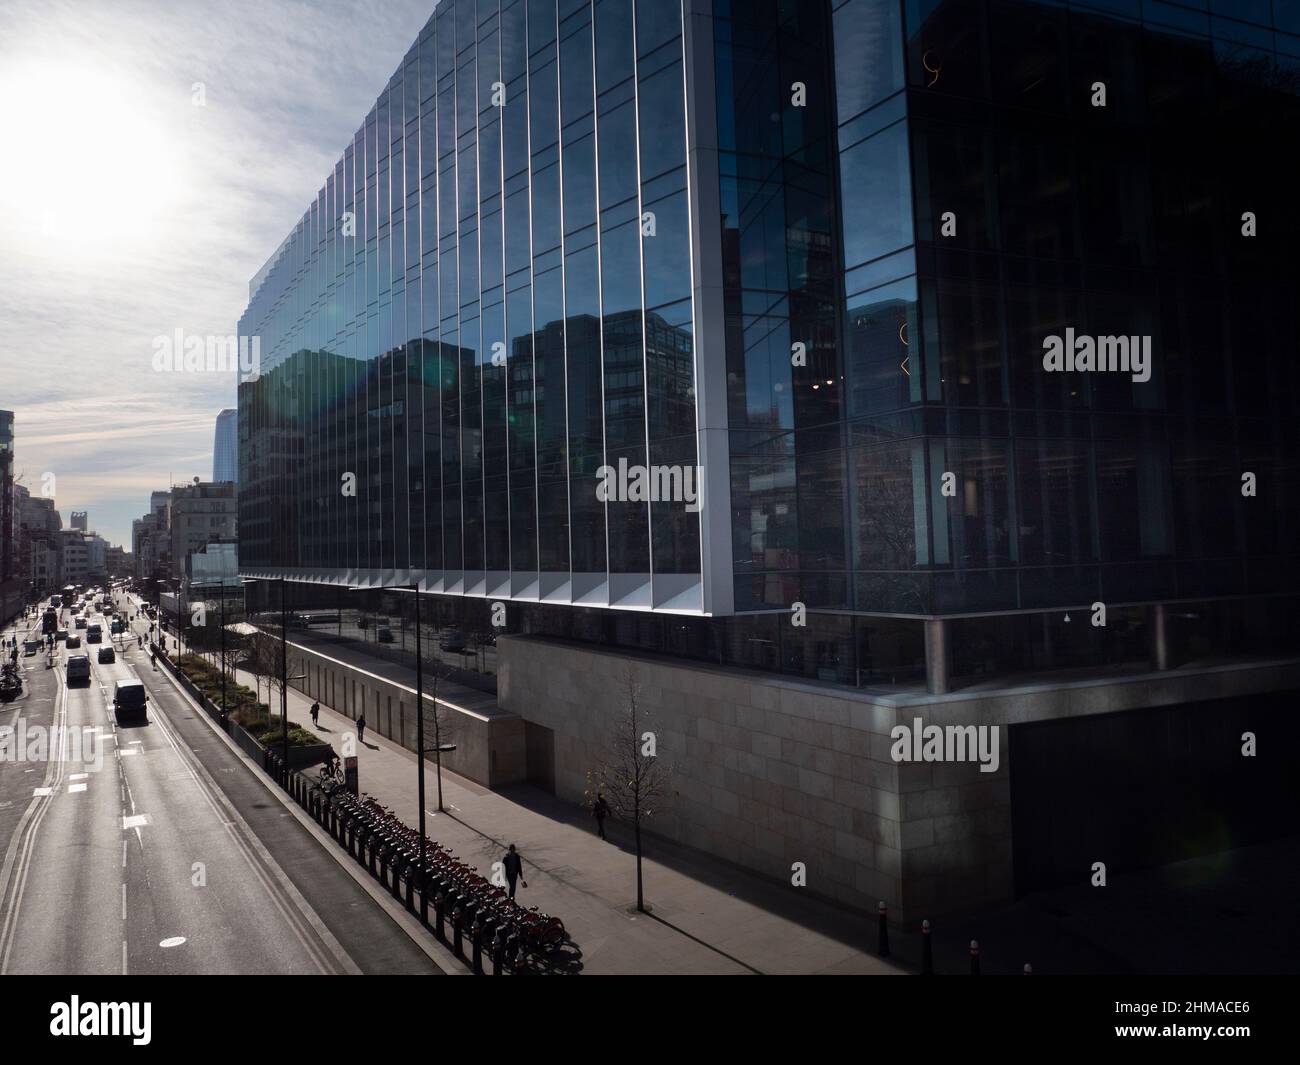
point(600, 810)
point(361, 729)
point(514, 869)
point(315, 713)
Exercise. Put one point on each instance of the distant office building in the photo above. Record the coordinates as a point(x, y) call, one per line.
point(225, 448)
point(75, 557)
point(199, 514)
point(80, 520)
point(7, 543)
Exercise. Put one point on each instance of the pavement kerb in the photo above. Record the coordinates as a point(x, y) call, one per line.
point(416, 931)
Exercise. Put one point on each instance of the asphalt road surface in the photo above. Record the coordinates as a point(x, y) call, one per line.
point(155, 849)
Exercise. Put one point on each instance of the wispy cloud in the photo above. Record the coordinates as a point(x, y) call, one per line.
point(138, 212)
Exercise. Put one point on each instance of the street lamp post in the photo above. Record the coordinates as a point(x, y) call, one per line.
point(223, 649)
point(284, 672)
point(284, 680)
point(419, 746)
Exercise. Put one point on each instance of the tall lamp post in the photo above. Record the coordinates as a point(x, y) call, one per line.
point(419, 746)
point(284, 672)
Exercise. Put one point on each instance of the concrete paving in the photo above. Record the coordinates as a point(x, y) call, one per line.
point(705, 917)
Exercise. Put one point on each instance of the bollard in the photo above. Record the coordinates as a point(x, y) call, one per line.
point(883, 921)
point(498, 948)
point(438, 915)
point(456, 932)
point(1029, 970)
point(927, 957)
point(424, 898)
point(476, 940)
point(410, 887)
point(974, 957)
point(370, 846)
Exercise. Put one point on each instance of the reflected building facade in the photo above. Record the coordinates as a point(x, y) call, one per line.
point(813, 250)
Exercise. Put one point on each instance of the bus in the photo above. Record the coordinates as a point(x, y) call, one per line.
point(49, 621)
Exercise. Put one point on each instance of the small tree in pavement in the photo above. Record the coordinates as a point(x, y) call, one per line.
point(631, 775)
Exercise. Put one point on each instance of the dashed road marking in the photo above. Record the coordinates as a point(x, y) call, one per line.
point(76, 787)
point(42, 791)
point(135, 821)
point(172, 941)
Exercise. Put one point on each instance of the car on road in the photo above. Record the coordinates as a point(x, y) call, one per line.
point(81, 623)
point(385, 636)
point(130, 702)
point(61, 634)
point(95, 634)
point(453, 640)
point(79, 669)
point(72, 641)
point(107, 654)
point(30, 647)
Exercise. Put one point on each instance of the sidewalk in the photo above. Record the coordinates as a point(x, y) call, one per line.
point(708, 917)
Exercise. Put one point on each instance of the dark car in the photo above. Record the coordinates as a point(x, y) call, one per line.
point(385, 636)
point(72, 641)
point(130, 703)
point(452, 640)
point(107, 654)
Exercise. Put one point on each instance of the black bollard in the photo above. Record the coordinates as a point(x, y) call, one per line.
point(476, 939)
point(927, 957)
point(439, 929)
point(974, 957)
point(498, 949)
point(883, 921)
point(457, 913)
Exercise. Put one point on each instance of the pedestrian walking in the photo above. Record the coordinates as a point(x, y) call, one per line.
point(514, 869)
point(600, 810)
point(361, 728)
point(315, 713)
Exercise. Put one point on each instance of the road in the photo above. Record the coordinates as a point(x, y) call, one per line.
point(123, 853)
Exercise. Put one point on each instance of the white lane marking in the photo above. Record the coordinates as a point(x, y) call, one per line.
point(124, 957)
point(76, 787)
point(123, 854)
point(124, 902)
point(123, 752)
point(79, 776)
point(172, 941)
point(135, 821)
point(42, 791)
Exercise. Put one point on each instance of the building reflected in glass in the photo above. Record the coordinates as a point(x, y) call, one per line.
point(813, 250)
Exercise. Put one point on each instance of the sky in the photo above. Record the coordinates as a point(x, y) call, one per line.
point(154, 155)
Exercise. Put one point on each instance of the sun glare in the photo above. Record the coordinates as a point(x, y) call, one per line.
point(91, 163)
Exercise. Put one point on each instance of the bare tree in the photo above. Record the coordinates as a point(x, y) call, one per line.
point(631, 776)
point(262, 660)
point(440, 722)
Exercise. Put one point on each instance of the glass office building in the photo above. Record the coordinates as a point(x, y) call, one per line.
point(812, 250)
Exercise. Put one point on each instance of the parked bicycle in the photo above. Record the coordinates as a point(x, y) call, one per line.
point(472, 901)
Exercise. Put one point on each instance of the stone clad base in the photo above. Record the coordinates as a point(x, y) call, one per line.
point(768, 771)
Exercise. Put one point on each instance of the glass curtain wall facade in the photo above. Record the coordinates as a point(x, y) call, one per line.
point(489, 301)
point(911, 196)
point(967, 201)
